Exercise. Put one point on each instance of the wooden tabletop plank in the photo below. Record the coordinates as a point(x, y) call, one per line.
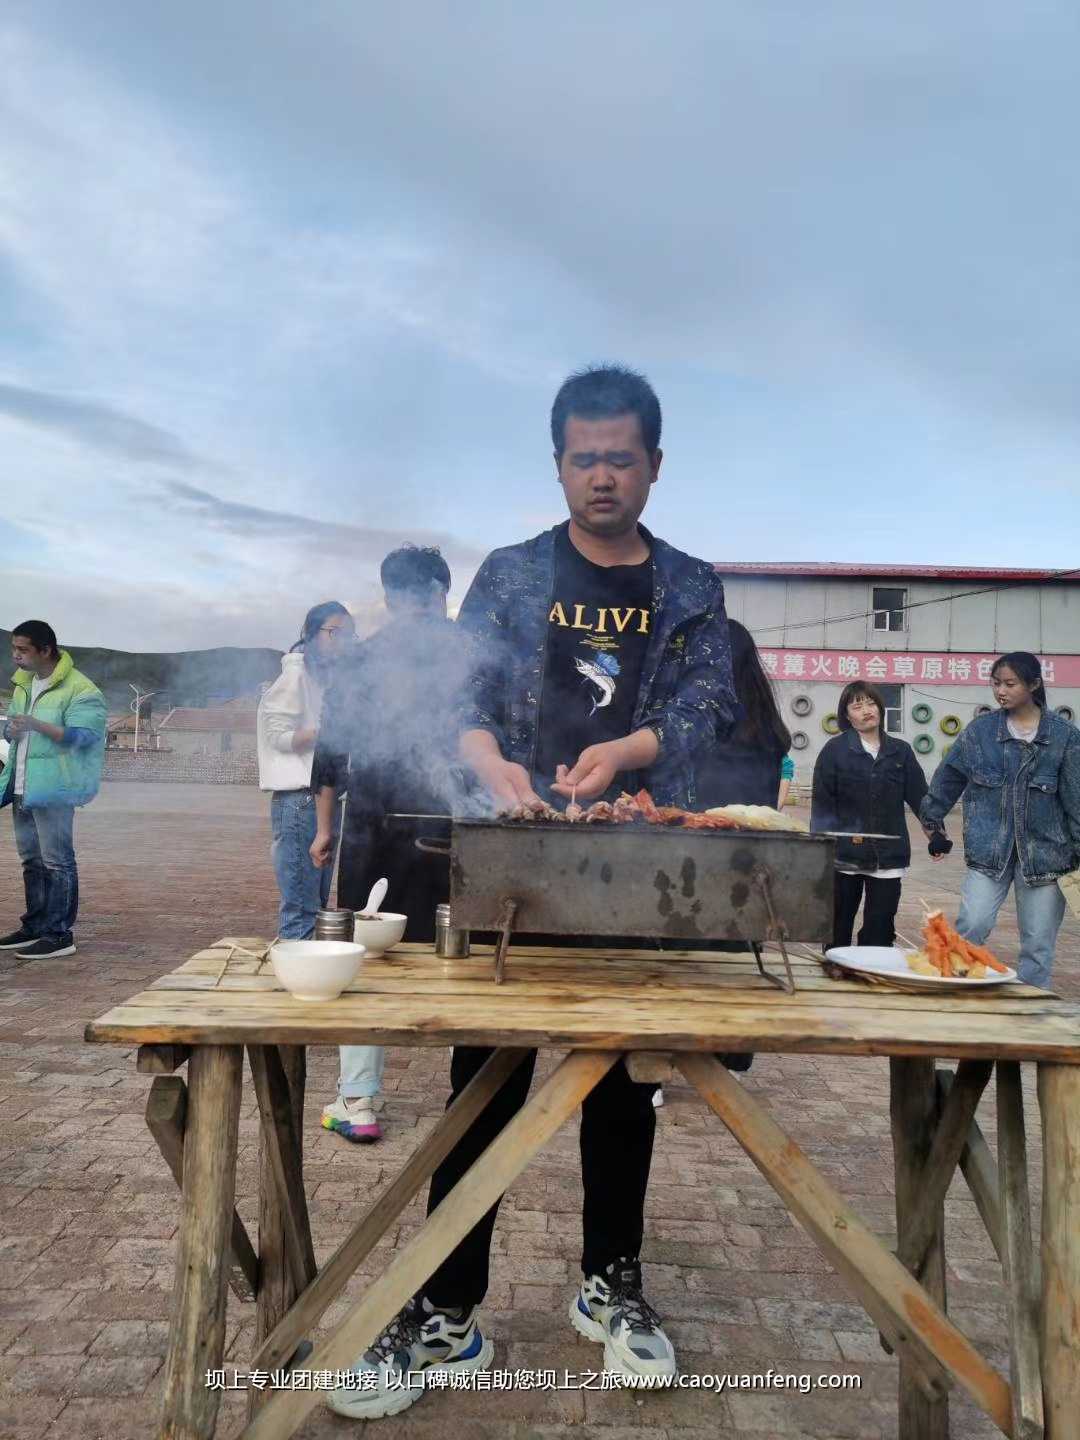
point(1047, 1029)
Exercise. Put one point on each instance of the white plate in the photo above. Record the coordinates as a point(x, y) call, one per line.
point(890, 965)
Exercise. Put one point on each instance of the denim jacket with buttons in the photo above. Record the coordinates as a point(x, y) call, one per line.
point(1016, 796)
point(686, 695)
point(854, 790)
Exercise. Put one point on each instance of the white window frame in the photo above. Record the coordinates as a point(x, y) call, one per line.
point(882, 618)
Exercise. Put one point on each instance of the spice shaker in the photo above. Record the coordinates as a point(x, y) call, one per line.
point(334, 925)
point(450, 944)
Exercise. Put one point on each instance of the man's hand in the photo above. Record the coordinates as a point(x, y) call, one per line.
point(596, 768)
point(20, 725)
point(510, 783)
point(322, 849)
point(597, 765)
point(506, 781)
point(304, 740)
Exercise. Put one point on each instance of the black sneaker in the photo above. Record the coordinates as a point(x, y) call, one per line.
point(45, 950)
point(16, 939)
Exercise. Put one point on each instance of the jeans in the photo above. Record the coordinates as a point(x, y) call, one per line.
point(44, 840)
point(304, 890)
point(879, 910)
point(361, 1071)
point(618, 1123)
point(1039, 911)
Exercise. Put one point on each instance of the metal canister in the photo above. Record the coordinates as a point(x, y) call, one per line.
point(334, 925)
point(450, 944)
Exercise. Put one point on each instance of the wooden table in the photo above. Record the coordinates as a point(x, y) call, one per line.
point(658, 1011)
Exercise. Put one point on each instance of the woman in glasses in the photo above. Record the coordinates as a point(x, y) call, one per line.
point(287, 729)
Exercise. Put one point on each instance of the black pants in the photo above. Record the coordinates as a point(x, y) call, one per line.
point(617, 1127)
point(879, 911)
point(418, 881)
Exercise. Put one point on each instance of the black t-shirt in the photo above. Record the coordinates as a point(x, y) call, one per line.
point(598, 632)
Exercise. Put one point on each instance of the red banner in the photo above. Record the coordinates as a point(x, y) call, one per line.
point(903, 667)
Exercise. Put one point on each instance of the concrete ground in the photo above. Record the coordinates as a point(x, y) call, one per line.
point(88, 1211)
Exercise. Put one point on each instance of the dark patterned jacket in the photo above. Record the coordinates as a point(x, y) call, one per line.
point(686, 694)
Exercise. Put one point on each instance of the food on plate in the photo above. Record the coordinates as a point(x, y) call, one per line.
point(948, 954)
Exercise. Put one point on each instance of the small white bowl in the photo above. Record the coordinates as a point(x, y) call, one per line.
point(316, 969)
point(380, 933)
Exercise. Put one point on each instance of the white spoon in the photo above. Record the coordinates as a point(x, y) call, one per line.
point(375, 900)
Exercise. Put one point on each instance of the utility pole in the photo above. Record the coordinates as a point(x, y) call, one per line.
point(137, 705)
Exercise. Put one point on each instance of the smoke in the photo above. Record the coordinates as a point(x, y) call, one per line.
point(395, 706)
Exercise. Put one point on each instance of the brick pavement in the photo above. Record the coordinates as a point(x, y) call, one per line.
point(88, 1213)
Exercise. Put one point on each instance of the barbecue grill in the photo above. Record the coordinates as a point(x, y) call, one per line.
point(645, 881)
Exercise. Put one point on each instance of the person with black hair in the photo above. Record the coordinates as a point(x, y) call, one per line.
point(599, 660)
point(287, 727)
point(56, 726)
point(863, 779)
point(746, 767)
point(1019, 774)
point(388, 742)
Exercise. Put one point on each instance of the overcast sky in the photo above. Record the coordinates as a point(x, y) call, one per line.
point(282, 285)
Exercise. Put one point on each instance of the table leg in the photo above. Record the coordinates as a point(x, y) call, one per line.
point(913, 1110)
point(1019, 1267)
point(1059, 1101)
point(197, 1322)
point(278, 1286)
point(302, 1318)
point(504, 1159)
point(900, 1307)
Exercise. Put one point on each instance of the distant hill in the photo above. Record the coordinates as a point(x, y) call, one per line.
point(188, 677)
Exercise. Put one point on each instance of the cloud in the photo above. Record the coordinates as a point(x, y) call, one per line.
point(365, 545)
point(88, 423)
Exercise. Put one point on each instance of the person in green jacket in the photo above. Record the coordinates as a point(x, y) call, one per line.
point(56, 726)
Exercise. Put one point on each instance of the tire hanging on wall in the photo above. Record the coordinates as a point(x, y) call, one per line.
point(830, 724)
point(951, 724)
point(799, 740)
point(921, 713)
point(801, 705)
point(984, 710)
point(923, 744)
point(1066, 713)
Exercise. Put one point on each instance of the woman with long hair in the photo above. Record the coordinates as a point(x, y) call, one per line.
point(863, 779)
point(1019, 774)
point(287, 729)
point(745, 769)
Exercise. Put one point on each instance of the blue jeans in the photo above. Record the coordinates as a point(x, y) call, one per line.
point(44, 839)
point(304, 890)
point(361, 1071)
point(1039, 911)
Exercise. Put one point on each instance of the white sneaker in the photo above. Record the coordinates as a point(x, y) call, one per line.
point(611, 1308)
point(353, 1119)
point(392, 1375)
point(658, 1099)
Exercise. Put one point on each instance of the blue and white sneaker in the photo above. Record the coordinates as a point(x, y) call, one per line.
point(389, 1377)
point(612, 1309)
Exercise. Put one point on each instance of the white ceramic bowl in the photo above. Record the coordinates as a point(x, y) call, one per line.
point(381, 933)
point(316, 969)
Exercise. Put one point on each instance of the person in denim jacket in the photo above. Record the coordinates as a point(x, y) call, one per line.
point(863, 779)
point(1019, 774)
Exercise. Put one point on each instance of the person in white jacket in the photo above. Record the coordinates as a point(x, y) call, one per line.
point(287, 729)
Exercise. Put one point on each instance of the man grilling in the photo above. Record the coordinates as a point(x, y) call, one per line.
point(600, 662)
